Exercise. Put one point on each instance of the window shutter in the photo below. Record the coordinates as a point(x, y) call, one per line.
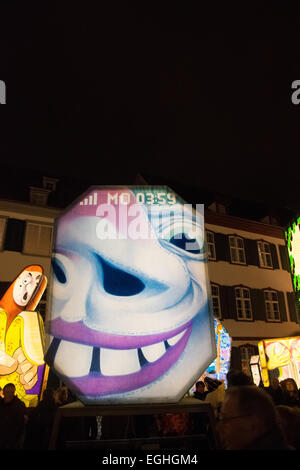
point(251, 252)
point(15, 232)
point(282, 308)
point(2, 231)
point(235, 358)
point(291, 298)
point(222, 247)
point(258, 304)
point(284, 258)
point(38, 239)
point(274, 256)
point(223, 301)
point(228, 305)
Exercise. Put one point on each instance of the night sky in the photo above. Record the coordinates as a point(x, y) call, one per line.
point(203, 97)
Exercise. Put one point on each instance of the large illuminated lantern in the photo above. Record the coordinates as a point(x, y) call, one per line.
point(292, 236)
point(256, 371)
point(22, 337)
point(280, 358)
point(130, 318)
point(219, 368)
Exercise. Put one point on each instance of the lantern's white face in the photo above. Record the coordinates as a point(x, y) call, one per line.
point(129, 317)
point(25, 286)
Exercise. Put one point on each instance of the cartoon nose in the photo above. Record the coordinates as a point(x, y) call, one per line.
point(117, 281)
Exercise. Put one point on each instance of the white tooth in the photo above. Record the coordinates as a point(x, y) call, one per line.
point(176, 338)
point(154, 351)
point(73, 359)
point(119, 362)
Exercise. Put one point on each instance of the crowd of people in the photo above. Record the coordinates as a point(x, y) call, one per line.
point(248, 417)
point(251, 417)
point(30, 429)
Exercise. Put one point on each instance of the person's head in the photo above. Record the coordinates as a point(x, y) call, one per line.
point(64, 393)
point(275, 383)
point(200, 386)
point(247, 413)
point(9, 392)
point(61, 395)
point(237, 378)
point(289, 385)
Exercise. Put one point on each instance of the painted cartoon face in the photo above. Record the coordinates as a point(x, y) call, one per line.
point(25, 286)
point(129, 314)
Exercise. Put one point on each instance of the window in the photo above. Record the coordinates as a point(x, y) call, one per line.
point(237, 252)
point(264, 253)
point(39, 196)
point(211, 245)
point(49, 183)
point(215, 295)
point(243, 303)
point(2, 231)
point(246, 353)
point(272, 305)
point(38, 239)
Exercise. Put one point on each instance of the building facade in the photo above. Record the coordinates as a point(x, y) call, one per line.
point(251, 284)
point(249, 269)
point(25, 239)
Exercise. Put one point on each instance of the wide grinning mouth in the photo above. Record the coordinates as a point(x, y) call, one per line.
point(102, 370)
point(78, 332)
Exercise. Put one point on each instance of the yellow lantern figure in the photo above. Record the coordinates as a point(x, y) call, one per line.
point(22, 335)
point(282, 354)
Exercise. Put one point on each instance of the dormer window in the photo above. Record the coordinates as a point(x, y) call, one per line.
point(39, 196)
point(49, 183)
point(218, 208)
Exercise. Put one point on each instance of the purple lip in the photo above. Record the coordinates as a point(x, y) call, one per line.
point(77, 332)
point(96, 385)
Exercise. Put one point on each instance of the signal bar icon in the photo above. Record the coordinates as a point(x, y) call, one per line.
point(89, 201)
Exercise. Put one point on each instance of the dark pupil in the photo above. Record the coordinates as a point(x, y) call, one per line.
point(58, 271)
point(180, 240)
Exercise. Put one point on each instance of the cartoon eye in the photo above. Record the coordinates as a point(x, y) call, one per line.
point(183, 242)
point(59, 271)
point(186, 237)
